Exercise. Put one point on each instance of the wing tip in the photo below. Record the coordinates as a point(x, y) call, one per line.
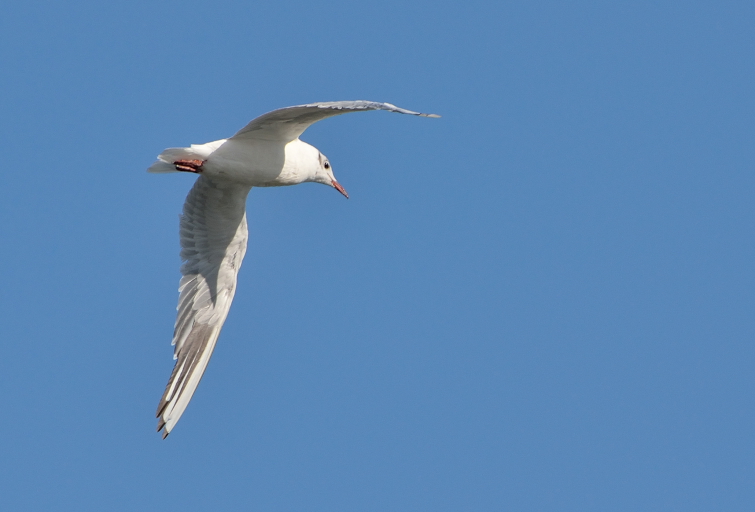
point(160, 426)
point(393, 108)
point(364, 105)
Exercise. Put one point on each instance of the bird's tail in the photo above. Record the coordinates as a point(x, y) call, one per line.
point(166, 159)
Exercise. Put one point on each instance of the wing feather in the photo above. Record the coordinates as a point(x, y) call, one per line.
point(213, 242)
point(289, 123)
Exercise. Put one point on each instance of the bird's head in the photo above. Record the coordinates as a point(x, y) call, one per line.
point(324, 174)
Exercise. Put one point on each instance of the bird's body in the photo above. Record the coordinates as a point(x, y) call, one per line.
point(265, 153)
point(256, 163)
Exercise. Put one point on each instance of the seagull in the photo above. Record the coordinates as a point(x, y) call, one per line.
point(265, 153)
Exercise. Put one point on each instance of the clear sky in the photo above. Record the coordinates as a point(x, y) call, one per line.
point(543, 300)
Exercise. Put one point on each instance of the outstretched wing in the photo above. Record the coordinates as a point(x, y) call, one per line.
point(213, 243)
point(287, 124)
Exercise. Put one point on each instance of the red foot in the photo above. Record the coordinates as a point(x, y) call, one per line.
point(189, 165)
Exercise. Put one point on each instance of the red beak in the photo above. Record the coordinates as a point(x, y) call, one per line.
point(339, 188)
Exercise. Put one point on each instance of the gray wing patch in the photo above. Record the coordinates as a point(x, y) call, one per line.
point(289, 123)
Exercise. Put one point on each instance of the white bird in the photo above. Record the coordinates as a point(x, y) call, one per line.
point(265, 153)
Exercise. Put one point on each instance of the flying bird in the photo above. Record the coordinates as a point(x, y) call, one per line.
point(265, 153)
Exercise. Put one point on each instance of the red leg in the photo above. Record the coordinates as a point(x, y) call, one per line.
point(189, 165)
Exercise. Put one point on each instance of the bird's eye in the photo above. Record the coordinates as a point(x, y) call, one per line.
point(326, 165)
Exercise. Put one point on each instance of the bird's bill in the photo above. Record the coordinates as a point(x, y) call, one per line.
point(339, 188)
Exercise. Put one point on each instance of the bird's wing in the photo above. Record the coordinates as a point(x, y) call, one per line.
point(213, 243)
point(287, 124)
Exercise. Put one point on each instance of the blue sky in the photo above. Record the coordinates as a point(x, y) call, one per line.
point(541, 301)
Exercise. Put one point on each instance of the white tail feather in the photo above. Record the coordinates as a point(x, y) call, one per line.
point(161, 166)
point(166, 159)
